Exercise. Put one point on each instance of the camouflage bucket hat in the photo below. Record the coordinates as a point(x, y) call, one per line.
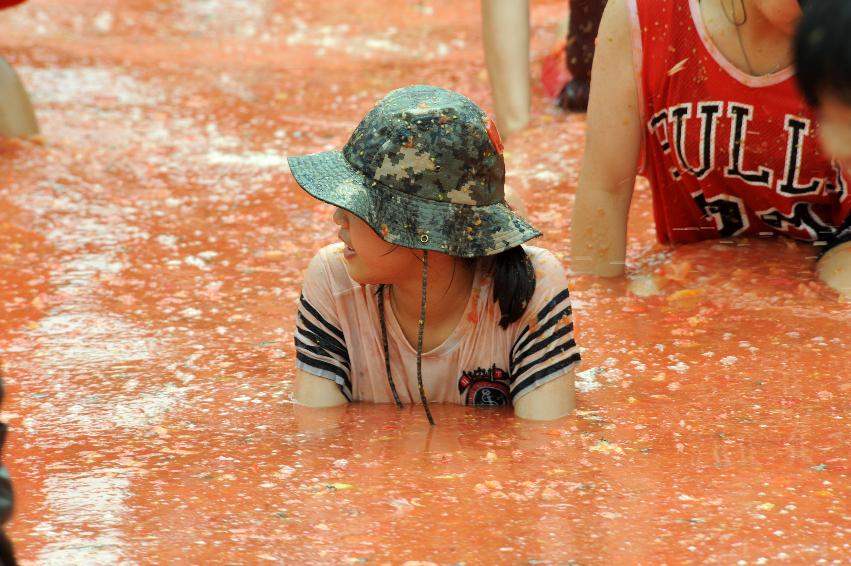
point(425, 170)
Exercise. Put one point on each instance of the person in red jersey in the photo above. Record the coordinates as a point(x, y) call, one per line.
point(699, 97)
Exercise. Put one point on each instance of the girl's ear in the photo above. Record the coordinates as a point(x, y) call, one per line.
point(339, 216)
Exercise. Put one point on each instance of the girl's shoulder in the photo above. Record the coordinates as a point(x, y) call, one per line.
point(551, 297)
point(548, 268)
point(550, 275)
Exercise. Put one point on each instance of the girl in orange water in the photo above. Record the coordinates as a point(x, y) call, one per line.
point(699, 97)
point(430, 297)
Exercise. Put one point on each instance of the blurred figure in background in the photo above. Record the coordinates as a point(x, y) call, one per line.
point(7, 555)
point(505, 30)
point(699, 97)
point(823, 69)
point(17, 118)
point(582, 30)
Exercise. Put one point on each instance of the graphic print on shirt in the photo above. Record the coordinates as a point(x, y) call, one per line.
point(797, 128)
point(802, 217)
point(741, 115)
point(709, 124)
point(485, 387)
point(729, 212)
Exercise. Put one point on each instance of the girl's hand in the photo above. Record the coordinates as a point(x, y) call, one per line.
point(834, 268)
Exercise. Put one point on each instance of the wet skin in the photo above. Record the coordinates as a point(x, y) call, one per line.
point(151, 252)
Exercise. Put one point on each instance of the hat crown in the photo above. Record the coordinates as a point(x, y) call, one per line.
point(431, 143)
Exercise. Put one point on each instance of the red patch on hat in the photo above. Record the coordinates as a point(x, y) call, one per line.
point(493, 134)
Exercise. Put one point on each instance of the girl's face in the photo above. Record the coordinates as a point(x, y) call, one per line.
point(370, 259)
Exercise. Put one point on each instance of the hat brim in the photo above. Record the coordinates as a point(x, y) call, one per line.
point(407, 220)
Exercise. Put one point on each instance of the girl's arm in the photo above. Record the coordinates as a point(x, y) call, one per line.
point(544, 354)
point(549, 401)
point(322, 363)
point(612, 145)
point(313, 391)
point(834, 268)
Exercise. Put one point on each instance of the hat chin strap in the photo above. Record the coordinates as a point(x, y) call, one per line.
point(420, 333)
point(420, 340)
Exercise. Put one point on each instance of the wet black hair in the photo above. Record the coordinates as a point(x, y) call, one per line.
point(513, 283)
point(822, 50)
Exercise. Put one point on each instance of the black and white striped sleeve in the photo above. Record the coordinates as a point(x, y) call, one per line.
point(320, 343)
point(544, 348)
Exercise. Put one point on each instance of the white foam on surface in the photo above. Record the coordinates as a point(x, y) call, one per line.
point(587, 380)
point(249, 159)
point(69, 85)
point(85, 338)
point(146, 410)
point(86, 510)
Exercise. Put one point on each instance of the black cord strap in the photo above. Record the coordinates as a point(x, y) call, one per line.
point(420, 333)
point(386, 349)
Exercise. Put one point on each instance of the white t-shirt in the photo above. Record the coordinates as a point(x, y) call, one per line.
point(338, 337)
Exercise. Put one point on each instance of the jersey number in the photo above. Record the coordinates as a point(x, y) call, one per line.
point(727, 211)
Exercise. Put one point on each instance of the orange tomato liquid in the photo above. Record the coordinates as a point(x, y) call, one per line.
point(151, 251)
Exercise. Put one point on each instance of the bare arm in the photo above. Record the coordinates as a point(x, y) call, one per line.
point(612, 145)
point(313, 391)
point(550, 401)
point(834, 268)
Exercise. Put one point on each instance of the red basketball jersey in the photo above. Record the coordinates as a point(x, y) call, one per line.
point(726, 153)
